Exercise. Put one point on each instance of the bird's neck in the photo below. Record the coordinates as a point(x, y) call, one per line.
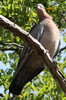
point(43, 15)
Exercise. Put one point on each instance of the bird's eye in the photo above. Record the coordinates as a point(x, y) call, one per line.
point(39, 6)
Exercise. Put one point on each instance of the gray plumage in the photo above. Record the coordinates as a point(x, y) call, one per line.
point(31, 64)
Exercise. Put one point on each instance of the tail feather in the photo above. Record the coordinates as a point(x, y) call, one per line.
point(23, 77)
point(24, 74)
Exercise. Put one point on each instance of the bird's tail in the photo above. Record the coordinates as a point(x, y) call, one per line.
point(22, 77)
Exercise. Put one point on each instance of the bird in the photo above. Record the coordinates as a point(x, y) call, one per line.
point(30, 63)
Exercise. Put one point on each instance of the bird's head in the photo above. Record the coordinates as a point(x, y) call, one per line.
point(42, 12)
point(40, 7)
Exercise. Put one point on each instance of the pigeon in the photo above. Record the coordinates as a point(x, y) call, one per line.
point(30, 63)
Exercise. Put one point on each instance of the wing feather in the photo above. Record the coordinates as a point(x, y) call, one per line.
point(25, 74)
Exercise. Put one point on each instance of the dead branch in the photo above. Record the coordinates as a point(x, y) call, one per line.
point(51, 65)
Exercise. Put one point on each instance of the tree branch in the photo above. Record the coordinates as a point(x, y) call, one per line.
point(11, 44)
point(17, 50)
point(8, 48)
point(51, 65)
point(4, 47)
point(1, 95)
point(62, 49)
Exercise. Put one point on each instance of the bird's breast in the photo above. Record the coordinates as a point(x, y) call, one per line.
point(50, 37)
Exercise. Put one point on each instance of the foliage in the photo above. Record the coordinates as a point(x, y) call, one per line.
point(23, 13)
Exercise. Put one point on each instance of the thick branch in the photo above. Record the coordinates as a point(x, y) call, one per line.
point(51, 65)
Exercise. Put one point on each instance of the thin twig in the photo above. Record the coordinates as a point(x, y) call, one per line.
point(14, 44)
point(8, 48)
point(62, 49)
point(1, 95)
point(17, 50)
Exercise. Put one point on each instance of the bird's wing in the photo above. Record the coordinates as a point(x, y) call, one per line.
point(57, 50)
point(30, 64)
point(36, 31)
point(24, 74)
